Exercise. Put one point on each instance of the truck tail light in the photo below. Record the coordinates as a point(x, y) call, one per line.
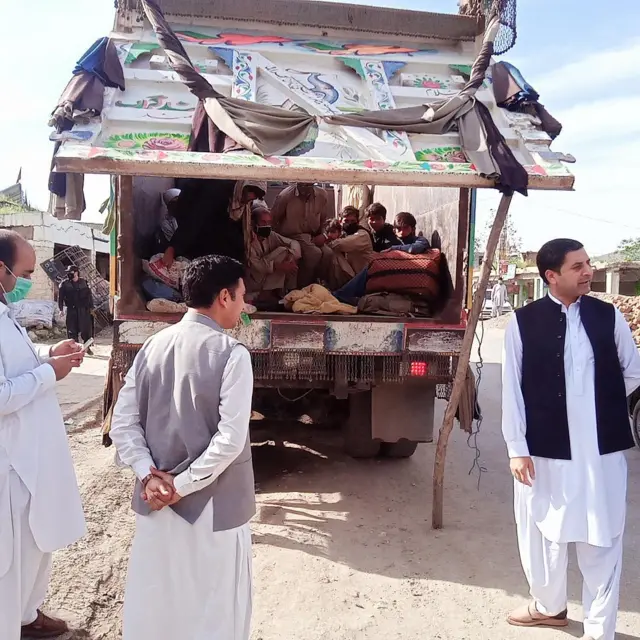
point(419, 369)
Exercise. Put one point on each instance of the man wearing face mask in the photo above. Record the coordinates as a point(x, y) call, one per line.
point(351, 253)
point(75, 293)
point(273, 259)
point(40, 507)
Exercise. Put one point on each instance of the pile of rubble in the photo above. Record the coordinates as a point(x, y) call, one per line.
point(629, 306)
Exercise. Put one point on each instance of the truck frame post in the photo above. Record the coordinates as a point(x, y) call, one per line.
point(463, 363)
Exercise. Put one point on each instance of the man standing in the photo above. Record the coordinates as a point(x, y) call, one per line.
point(300, 212)
point(570, 362)
point(498, 298)
point(40, 508)
point(273, 259)
point(76, 295)
point(384, 235)
point(190, 568)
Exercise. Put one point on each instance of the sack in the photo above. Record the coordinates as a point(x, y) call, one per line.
point(172, 276)
point(34, 313)
point(392, 304)
point(408, 273)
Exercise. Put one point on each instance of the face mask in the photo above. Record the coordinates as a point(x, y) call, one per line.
point(20, 290)
point(350, 229)
point(263, 232)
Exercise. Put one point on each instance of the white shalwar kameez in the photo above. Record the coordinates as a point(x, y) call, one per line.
point(582, 500)
point(40, 506)
point(186, 581)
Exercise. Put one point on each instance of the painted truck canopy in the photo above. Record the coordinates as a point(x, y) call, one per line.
point(322, 69)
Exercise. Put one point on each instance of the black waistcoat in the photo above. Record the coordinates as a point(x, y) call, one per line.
point(543, 330)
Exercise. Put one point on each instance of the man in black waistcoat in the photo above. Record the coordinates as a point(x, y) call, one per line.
point(569, 364)
point(76, 295)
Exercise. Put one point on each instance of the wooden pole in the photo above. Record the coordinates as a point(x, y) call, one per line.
point(463, 362)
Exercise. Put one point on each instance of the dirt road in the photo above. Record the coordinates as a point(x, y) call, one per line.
point(344, 549)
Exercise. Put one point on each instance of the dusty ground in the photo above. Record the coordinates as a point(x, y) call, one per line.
point(344, 549)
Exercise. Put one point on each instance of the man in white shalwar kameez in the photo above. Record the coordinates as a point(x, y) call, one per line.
point(40, 507)
point(569, 363)
point(181, 423)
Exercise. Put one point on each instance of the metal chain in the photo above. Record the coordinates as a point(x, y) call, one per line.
point(472, 440)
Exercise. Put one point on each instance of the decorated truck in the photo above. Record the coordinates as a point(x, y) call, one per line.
point(333, 68)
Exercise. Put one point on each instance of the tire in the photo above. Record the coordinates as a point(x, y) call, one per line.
point(635, 424)
point(401, 449)
point(358, 442)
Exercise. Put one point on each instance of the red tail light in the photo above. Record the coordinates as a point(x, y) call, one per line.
point(419, 369)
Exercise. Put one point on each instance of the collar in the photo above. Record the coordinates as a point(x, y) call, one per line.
point(4, 308)
point(561, 304)
point(193, 316)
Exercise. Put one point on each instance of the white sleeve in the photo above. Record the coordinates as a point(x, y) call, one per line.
point(514, 424)
point(233, 429)
point(16, 393)
point(627, 353)
point(127, 433)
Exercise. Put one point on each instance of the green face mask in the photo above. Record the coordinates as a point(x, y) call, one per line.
point(20, 291)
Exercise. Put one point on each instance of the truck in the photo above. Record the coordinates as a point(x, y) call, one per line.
point(376, 376)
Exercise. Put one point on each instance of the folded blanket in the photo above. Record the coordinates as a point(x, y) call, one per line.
point(316, 299)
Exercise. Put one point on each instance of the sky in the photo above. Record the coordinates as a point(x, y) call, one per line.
point(581, 56)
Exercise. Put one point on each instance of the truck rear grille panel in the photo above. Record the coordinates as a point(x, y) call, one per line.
point(301, 365)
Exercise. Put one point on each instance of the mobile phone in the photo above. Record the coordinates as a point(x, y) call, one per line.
point(88, 344)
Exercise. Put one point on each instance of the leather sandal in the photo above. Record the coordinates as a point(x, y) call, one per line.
point(529, 616)
point(44, 627)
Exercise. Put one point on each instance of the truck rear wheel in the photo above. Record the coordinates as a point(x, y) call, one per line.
point(402, 449)
point(358, 442)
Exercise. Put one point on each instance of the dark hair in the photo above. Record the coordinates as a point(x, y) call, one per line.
point(406, 219)
point(351, 211)
point(9, 247)
point(333, 225)
point(552, 255)
point(206, 277)
point(376, 210)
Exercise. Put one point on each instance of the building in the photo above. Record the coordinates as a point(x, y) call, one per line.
point(49, 236)
point(617, 278)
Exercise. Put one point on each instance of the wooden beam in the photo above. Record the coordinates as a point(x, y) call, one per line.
point(463, 363)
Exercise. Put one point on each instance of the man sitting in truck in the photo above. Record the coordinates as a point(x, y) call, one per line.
point(350, 253)
point(273, 259)
point(300, 212)
point(405, 226)
point(384, 235)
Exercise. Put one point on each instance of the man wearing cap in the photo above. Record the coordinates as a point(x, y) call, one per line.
point(76, 295)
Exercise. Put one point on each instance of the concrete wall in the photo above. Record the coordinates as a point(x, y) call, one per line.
point(44, 232)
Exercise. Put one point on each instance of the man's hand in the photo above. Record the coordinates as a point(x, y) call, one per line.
point(169, 257)
point(287, 266)
point(157, 493)
point(320, 240)
point(65, 348)
point(62, 365)
point(167, 480)
point(523, 471)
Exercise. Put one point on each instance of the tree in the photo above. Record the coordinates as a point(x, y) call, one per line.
point(630, 249)
point(510, 242)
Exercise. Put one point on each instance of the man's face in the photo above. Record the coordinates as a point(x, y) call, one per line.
point(305, 190)
point(263, 219)
point(24, 266)
point(403, 230)
point(232, 303)
point(376, 222)
point(574, 279)
point(349, 222)
point(249, 194)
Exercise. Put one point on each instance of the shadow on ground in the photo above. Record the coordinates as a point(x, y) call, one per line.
point(375, 515)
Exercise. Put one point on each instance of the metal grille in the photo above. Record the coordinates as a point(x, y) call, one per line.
point(507, 33)
point(313, 366)
point(55, 268)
